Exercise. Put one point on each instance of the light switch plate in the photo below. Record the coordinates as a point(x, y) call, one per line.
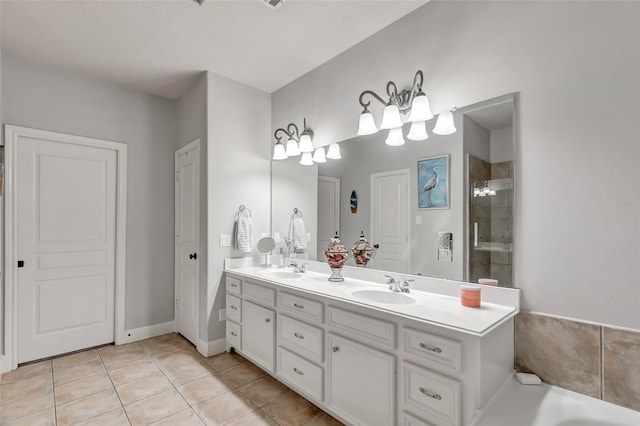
point(308, 237)
point(418, 220)
point(276, 237)
point(225, 240)
point(263, 235)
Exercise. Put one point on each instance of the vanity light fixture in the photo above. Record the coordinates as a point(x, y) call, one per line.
point(318, 156)
point(412, 103)
point(306, 159)
point(334, 152)
point(297, 142)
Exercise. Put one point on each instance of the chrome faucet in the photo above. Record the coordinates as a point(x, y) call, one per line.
point(299, 269)
point(405, 285)
point(395, 285)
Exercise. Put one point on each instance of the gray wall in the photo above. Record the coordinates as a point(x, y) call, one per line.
point(46, 98)
point(192, 125)
point(239, 164)
point(577, 76)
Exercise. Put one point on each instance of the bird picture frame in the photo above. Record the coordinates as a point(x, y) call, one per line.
point(433, 182)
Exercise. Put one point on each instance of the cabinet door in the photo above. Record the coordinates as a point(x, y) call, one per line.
point(361, 383)
point(258, 334)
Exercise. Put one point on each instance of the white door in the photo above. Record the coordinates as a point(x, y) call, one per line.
point(66, 246)
point(390, 224)
point(187, 240)
point(328, 212)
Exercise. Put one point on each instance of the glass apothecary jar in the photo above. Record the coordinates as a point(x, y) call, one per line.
point(337, 256)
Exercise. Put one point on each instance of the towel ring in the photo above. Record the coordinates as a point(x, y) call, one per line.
point(242, 208)
point(296, 211)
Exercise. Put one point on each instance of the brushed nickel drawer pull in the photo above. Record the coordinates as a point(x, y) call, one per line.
point(335, 349)
point(233, 333)
point(429, 394)
point(431, 348)
point(299, 306)
point(300, 372)
point(267, 320)
point(234, 285)
point(235, 308)
point(299, 336)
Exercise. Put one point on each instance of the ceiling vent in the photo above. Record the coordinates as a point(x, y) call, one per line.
point(273, 4)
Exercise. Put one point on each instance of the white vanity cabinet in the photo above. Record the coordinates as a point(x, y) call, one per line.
point(364, 365)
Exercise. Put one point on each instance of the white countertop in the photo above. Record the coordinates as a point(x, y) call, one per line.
point(440, 309)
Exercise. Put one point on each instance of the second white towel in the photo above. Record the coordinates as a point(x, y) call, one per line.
point(243, 235)
point(298, 234)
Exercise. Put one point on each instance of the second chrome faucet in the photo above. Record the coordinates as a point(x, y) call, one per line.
point(394, 285)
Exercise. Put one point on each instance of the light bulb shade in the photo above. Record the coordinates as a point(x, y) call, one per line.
point(367, 124)
point(306, 159)
point(391, 117)
point(334, 152)
point(395, 138)
point(444, 125)
point(305, 143)
point(278, 152)
point(420, 109)
point(418, 131)
point(292, 148)
point(318, 156)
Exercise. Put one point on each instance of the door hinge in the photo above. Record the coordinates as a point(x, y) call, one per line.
point(177, 239)
point(177, 176)
point(177, 304)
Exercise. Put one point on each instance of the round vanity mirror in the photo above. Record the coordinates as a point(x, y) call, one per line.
point(266, 244)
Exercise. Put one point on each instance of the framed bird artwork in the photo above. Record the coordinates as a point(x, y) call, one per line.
point(433, 182)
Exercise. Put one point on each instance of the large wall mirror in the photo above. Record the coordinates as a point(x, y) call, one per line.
point(470, 203)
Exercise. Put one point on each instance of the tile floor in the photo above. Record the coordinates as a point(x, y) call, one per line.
point(158, 381)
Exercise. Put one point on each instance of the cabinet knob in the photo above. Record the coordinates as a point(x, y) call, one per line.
point(267, 320)
point(430, 394)
point(299, 336)
point(335, 349)
point(300, 372)
point(431, 348)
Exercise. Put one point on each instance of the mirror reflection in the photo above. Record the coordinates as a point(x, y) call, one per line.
point(442, 207)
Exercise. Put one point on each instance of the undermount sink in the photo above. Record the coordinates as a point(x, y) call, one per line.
point(383, 296)
point(279, 273)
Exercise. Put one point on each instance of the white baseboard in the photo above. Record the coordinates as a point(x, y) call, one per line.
point(141, 333)
point(1, 369)
point(212, 348)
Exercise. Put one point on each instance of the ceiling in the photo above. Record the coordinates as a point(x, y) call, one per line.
point(160, 46)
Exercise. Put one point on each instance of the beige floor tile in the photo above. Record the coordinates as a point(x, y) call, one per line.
point(69, 374)
point(204, 388)
point(242, 374)
point(182, 418)
point(82, 387)
point(115, 417)
point(27, 372)
point(324, 420)
point(161, 345)
point(134, 371)
point(116, 359)
point(143, 388)
point(291, 409)
point(156, 407)
point(75, 359)
point(254, 418)
point(27, 405)
point(46, 417)
point(263, 390)
point(88, 407)
point(223, 408)
point(183, 366)
point(28, 387)
point(224, 360)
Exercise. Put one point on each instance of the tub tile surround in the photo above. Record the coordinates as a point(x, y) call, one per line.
point(159, 381)
point(598, 361)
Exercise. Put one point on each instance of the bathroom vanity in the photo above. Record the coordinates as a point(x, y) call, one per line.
point(367, 355)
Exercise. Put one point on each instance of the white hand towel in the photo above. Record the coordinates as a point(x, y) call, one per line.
point(243, 235)
point(298, 234)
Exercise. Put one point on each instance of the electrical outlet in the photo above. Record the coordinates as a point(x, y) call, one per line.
point(263, 235)
point(276, 237)
point(444, 255)
point(222, 314)
point(418, 220)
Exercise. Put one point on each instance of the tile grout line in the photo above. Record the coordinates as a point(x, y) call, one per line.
point(114, 387)
point(53, 391)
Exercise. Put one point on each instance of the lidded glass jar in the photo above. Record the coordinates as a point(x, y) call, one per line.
point(362, 251)
point(337, 256)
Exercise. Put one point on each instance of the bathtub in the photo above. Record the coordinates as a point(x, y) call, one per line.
point(545, 405)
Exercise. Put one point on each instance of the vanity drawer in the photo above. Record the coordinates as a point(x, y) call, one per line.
point(411, 420)
point(365, 328)
point(435, 350)
point(234, 285)
point(303, 374)
point(301, 306)
point(234, 308)
point(233, 334)
point(263, 295)
point(437, 396)
point(301, 338)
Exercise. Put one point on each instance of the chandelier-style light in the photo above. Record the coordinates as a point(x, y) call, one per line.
point(412, 103)
point(300, 144)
